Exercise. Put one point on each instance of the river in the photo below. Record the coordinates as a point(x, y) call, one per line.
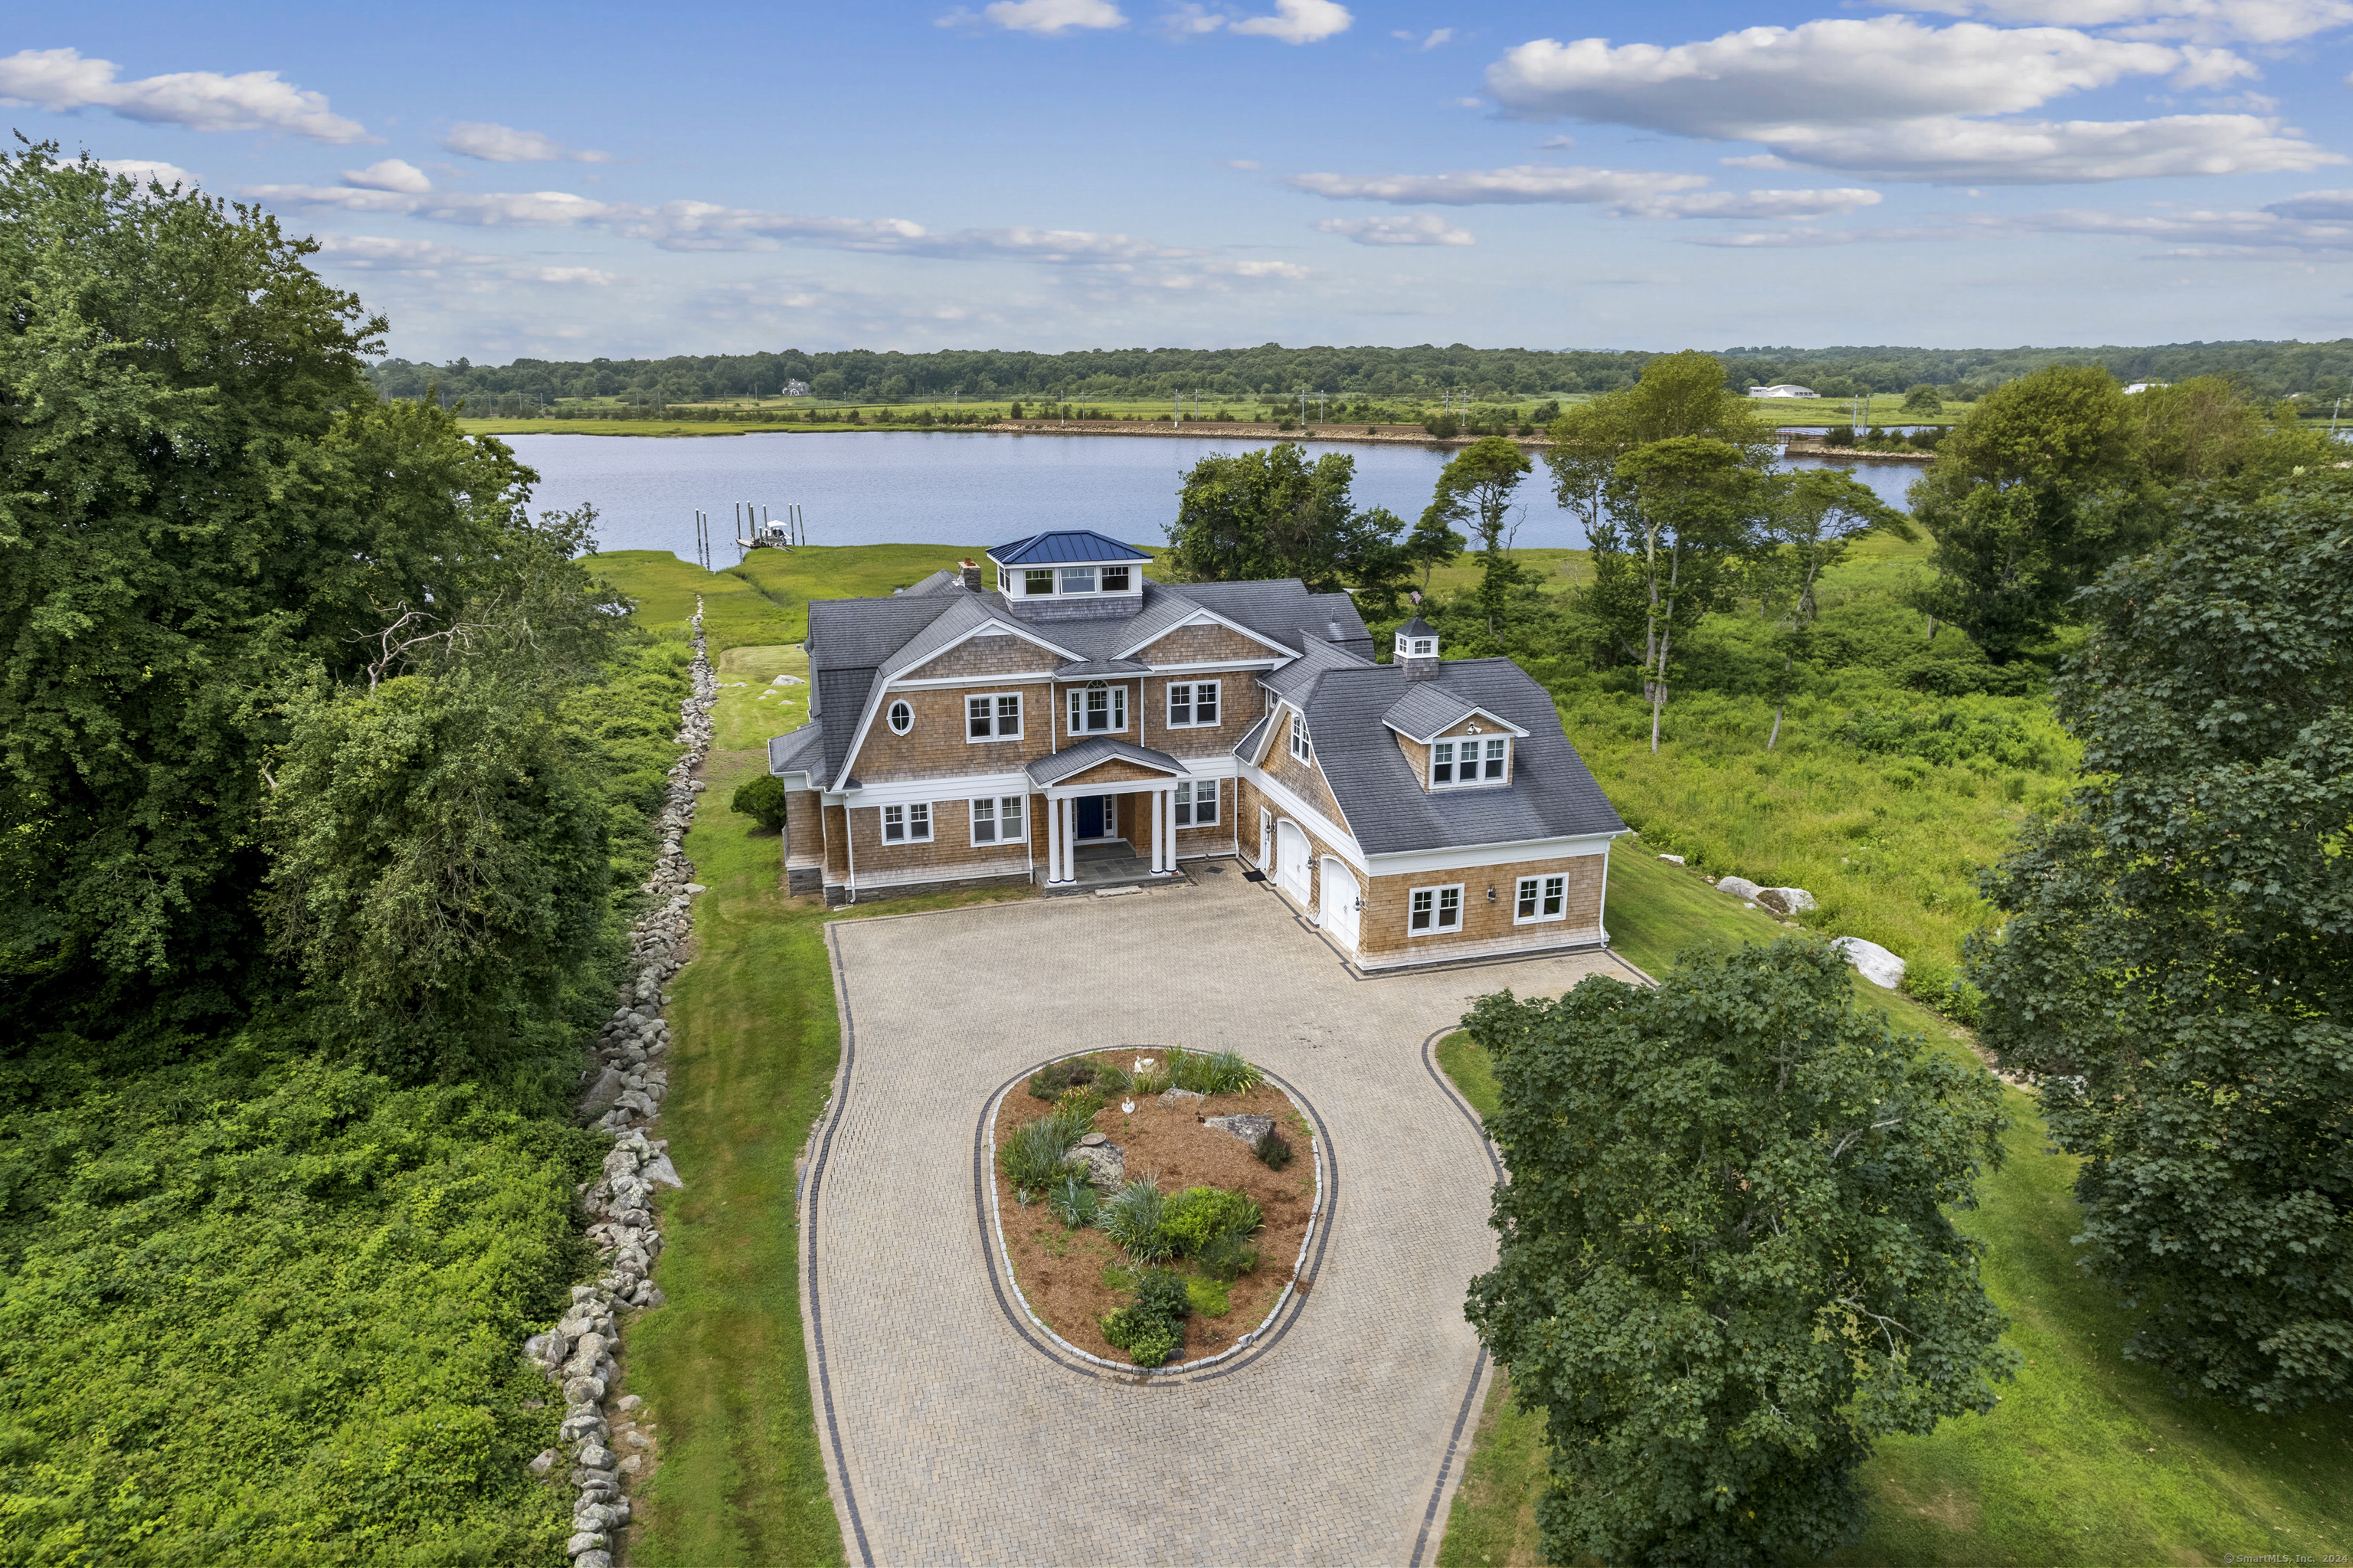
point(974, 488)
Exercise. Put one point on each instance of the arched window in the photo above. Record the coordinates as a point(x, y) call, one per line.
point(902, 718)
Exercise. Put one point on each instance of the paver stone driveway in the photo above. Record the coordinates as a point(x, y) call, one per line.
point(951, 1437)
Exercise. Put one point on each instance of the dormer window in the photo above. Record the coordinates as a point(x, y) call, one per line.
point(1417, 647)
point(1115, 579)
point(1455, 763)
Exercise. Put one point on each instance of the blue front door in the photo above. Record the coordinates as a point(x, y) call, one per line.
point(1091, 817)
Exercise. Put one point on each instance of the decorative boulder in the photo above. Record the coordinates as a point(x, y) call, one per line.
point(1676, 859)
point(600, 1098)
point(1176, 1097)
point(1249, 1128)
point(1739, 887)
point(1106, 1164)
point(1785, 900)
point(1872, 961)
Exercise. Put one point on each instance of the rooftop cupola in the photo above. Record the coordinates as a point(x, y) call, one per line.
point(1417, 648)
point(1072, 575)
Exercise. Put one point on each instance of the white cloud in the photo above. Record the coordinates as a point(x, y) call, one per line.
point(1244, 164)
point(146, 169)
point(488, 211)
point(2337, 205)
point(2206, 21)
point(1428, 41)
point(1422, 228)
point(62, 80)
point(1891, 98)
point(391, 175)
point(1634, 193)
point(590, 277)
point(376, 253)
point(1052, 17)
point(495, 143)
point(1298, 21)
point(2318, 224)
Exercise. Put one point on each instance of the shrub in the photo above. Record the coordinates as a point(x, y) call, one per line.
point(1273, 1151)
point(1191, 1218)
point(1148, 1081)
point(1226, 1257)
point(1015, 412)
point(1207, 1298)
point(1080, 1104)
point(1132, 1220)
point(1152, 1328)
point(1111, 1077)
point(1074, 1201)
point(1212, 1072)
point(1443, 426)
point(1162, 1293)
point(1049, 1082)
point(763, 801)
point(1035, 1156)
point(1838, 436)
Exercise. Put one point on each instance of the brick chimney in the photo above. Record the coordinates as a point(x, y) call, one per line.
point(971, 570)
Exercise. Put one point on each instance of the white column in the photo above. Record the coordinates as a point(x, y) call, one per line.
point(1070, 809)
point(1166, 834)
point(1053, 840)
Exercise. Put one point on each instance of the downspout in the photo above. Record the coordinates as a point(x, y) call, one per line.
point(849, 846)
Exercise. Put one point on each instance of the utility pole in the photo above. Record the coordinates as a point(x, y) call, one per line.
point(2332, 416)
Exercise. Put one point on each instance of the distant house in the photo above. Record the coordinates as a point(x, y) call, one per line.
point(1782, 390)
point(796, 389)
point(2145, 387)
point(1053, 715)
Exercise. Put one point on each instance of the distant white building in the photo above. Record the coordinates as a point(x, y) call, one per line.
point(796, 389)
point(2145, 387)
point(1781, 390)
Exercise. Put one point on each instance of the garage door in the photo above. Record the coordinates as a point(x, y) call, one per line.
point(1340, 894)
point(1291, 861)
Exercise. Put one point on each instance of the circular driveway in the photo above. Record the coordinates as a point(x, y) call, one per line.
point(952, 1435)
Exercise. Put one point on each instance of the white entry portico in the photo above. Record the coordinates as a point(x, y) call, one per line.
point(1083, 787)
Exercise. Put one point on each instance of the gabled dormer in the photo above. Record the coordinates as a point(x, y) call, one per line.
point(1069, 575)
point(1450, 742)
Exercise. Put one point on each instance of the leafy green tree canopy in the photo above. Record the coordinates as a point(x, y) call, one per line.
point(202, 497)
point(1727, 1263)
point(1271, 512)
point(2178, 962)
point(1924, 399)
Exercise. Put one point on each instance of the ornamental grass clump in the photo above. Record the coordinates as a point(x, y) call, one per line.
point(1039, 1152)
point(1131, 1219)
point(1075, 1201)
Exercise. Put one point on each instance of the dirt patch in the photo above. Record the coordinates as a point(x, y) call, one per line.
point(1060, 1271)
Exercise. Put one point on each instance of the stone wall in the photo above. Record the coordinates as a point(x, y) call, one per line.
point(627, 1079)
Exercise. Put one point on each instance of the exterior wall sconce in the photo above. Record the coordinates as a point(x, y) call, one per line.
point(1490, 894)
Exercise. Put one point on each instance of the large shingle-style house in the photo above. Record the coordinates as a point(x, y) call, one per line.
point(1058, 718)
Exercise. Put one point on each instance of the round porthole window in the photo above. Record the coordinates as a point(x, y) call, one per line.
point(902, 718)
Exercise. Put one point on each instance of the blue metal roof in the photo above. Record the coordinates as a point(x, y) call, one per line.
point(1072, 544)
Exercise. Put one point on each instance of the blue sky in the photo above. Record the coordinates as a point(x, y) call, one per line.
point(593, 179)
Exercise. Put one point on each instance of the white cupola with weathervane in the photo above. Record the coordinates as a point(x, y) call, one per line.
point(1069, 575)
point(1417, 648)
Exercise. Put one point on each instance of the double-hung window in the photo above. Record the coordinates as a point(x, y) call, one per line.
point(907, 824)
point(1098, 709)
point(999, 819)
point(1298, 742)
point(1457, 762)
point(1540, 899)
point(1078, 579)
point(1192, 703)
point(1038, 579)
point(1431, 910)
point(1115, 579)
point(997, 716)
point(1196, 804)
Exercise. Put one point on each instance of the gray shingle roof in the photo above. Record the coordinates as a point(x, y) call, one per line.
point(1552, 794)
point(1093, 752)
point(1247, 746)
point(1064, 545)
point(1430, 706)
point(1093, 669)
point(940, 581)
point(798, 749)
point(1312, 661)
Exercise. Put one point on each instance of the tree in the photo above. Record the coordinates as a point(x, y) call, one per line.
point(1690, 507)
point(2206, 431)
point(1432, 543)
point(202, 497)
point(2033, 493)
point(1817, 514)
point(1476, 488)
point(1924, 399)
point(2178, 961)
point(1272, 514)
point(1727, 1263)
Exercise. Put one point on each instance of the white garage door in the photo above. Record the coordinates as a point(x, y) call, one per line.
point(1339, 914)
point(1291, 861)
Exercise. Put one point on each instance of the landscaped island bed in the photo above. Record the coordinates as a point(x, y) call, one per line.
point(1074, 1242)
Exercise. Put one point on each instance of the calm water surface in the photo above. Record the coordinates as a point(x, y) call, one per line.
point(923, 487)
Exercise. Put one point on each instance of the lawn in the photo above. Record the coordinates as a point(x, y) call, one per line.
point(2087, 1460)
point(722, 1366)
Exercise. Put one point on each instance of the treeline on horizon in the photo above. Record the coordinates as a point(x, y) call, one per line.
point(2266, 369)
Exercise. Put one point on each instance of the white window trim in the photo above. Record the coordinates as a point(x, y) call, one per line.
point(1539, 918)
point(1076, 707)
point(1192, 787)
point(1301, 744)
point(890, 712)
point(1479, 745)
point(1436, 907)
point(908, 814)
point(1020, 717)
point(1194, 703)
point(996, 804)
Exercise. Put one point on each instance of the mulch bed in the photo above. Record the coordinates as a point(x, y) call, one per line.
point(1060, 1272)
